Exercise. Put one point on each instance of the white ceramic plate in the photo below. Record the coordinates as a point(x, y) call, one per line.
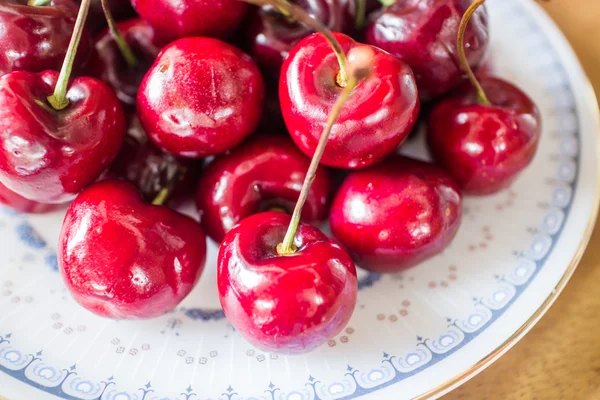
point(416, 334)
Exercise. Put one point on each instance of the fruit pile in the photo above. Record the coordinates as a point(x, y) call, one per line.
point(229, 99)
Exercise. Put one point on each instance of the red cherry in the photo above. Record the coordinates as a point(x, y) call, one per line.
point(289, 304)
point(125, 259)
point(263, 173)
point(21, 204)
point(378, 117)
point(423, 33)
point(47, 155)
point(150, 169)
point(111, 66)
point(174, 19)
point(396, 214)
point(485, 147)
point(35, 38)
point(201, 97)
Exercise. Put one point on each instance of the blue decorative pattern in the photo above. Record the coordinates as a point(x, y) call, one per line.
point(65, 383)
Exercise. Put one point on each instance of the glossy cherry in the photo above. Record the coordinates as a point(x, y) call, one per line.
point(396, 214)
point(125, 259)
point(423, 34)
point(48, 155)
point(378, 117)
point(150, 169)
point(201, 97)
point(485, 146)
point(174, 19)
point(287, 304)
point(35, 38)
point(273, 35)
point(21, 204)
point(111, 66)
point(264, 173)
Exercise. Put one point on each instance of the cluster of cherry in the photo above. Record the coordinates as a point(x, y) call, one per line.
point(124, 129)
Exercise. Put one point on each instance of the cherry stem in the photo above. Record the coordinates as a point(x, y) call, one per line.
point(387, 3)
point(166, 192)
point(59, 100)
point(124, 48)
point(462, 56)
point(361, 71)
point(38, 3)
point(361, 13)
point(292, 10)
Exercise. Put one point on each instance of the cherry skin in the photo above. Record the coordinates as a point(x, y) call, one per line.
point(272, 35)
point(201, 97)
point(46, 155)
point(35, 39)
point(112, 68)
point(286, 304)
point(174, 19)
point(377, 118)
point(423, 34)
point(485, 147)
point(21, 204)
point(396, 214)
point(150, 169)
point(125, 259)
point(264, 173)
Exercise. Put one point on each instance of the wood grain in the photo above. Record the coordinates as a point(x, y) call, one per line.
point(560, 357)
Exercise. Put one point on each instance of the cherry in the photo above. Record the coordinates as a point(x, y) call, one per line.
point(284, 303)
point(485, 134)
point(150, 169)
point(201, 97)
point(112, 67)
point(290, 289)
point(35, 38)
point(122, 258)
point(264, 173)
point(423, 34)
point(57, 136)
point(174, 19)
point(377, 119)
point(21, 204)
point(273, 35)
point(396, 214)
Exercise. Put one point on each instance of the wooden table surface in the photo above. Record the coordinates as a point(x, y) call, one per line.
point(560, 357)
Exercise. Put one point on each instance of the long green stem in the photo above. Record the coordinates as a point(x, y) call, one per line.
point(38, 3)
point(462, 56)
point(292, 10)
point(59, 100)
point(361, 71)
point(124, 48)
point(361, 13)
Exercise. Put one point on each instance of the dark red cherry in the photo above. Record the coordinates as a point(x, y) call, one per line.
point(485, 147)
point(376, 119)
point(287, 304)
point(36, 38)
point(46, 155)
point(174, 19)
point(201, 97)
point(264, 173)
point(21, 204)
point(122, 258)
point(150, 169)
point(273, 35)
point(396, 214)
point(119, 9)
point(423, 34)
point(112, 68)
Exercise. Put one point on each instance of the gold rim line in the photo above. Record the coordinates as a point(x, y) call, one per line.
point(562, 283)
